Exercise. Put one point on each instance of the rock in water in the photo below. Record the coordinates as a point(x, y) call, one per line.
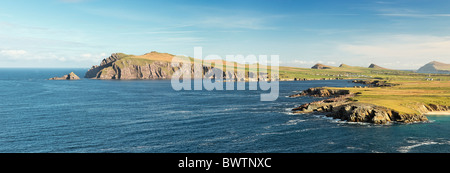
point(70, 76)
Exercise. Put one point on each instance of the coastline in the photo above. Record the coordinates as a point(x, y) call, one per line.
point(379, 102)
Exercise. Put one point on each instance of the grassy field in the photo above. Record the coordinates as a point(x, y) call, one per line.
point(357, 73)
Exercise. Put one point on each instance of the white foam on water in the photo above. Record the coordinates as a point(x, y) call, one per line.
point(231, 109)
point(354, 148)
point(287, 132)
point(407, 149)
point(293, 122)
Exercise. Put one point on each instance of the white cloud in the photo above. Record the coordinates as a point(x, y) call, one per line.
point(89, 57)
point(42, 58)
point(13, 53)
point(400, 51)
point(417, 15)
point(72, 1)
point(307, 64)
point(240, 22)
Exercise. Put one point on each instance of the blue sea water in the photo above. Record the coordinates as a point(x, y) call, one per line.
point(96, 116)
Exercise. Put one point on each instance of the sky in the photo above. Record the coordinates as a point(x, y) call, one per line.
point(397, 34)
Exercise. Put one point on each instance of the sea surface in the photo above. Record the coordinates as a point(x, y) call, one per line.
point(105, 116)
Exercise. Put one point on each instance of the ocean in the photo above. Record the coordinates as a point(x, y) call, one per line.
point(107, 116)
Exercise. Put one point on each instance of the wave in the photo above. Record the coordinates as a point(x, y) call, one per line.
point(407, 149)
point(293, 122)
point(288, 123)
point(287, 132)
point(416, 143)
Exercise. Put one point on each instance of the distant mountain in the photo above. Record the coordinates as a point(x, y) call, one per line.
point(344, 65)
point(321, 66)
point(435, 67)
point(376, 66)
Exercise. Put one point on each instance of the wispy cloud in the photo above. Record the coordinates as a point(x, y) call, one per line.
point(387, 9)
point(73, 1)
point(25, 57)
point(158, 32)
point(12, 53)
point(230, 18)
point(384, 2)
point(417, 15)
point(404, 49)
point(236, 22)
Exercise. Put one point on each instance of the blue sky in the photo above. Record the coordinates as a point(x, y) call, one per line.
point(398, 34)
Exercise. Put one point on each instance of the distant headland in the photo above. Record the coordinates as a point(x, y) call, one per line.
point(155, 65)
point(389, 95)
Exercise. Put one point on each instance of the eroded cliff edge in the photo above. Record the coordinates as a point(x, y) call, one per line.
point(341, 105)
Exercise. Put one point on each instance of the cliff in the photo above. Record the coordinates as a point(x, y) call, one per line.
point(435, 67)
point(156, 65)
point(342, 105)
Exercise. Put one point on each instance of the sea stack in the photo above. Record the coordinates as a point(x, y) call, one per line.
point(70, 76)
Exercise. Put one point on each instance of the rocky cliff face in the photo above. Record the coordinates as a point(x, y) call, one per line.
point(342, 107)
point(121, 66)
point(321, 92)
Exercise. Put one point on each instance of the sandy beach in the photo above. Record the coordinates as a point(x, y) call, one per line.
point(438, 113)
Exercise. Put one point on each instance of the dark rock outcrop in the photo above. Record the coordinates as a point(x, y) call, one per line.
point(70, 76)
point(95, 70)
point(363, 112)
point(375, 83)
point(321, 92)
point(341, 106)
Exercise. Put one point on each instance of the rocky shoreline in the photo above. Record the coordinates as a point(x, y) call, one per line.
point(340, 105)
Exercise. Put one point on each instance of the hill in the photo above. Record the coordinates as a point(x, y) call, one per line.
point(435, 67)
point(321, 66)
point(344, 66)
point(374, 66)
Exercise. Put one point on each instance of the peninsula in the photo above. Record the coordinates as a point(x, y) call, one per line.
point(155, 65)
point(390, 95)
